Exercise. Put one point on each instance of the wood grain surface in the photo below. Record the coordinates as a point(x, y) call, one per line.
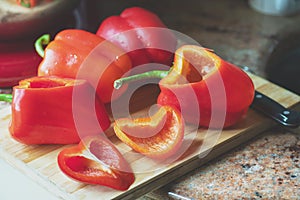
point(39, 161)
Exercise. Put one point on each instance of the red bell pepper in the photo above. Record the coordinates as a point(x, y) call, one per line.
point(159, 136)
point(208, 90)
point(18, 61)
point(52, 110)
point(84, 55)
point(95, 160)
point(142, 34)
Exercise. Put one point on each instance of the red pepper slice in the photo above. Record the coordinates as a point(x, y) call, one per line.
point(142, 34)
point(43, 111)
point(159, 136)
point(222, 91)
point(95, 160)
point(75, 54)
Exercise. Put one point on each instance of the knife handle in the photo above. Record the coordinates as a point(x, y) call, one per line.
point(276, 111)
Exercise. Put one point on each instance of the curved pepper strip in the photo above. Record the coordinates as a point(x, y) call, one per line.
point(159, 136)
point(42, 111)
point(198, 71)
point(95, 160)
point(142, 34)
point(80, 54)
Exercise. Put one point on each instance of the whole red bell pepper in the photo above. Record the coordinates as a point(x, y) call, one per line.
point(95, 160)
point(53, 110)
point(18, 60)
point(208, 90)
point(142, 34)
point(80, 54)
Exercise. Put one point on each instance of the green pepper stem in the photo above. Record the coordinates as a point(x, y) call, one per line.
point(6, 97)
point(40, 43)
point(23, 3)
point(150, 74)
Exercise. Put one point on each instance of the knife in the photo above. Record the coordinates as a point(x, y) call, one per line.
point(271, 108)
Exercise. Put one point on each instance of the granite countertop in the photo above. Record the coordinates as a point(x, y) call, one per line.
point(268, 166)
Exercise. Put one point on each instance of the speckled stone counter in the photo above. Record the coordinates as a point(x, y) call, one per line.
point(267, 167)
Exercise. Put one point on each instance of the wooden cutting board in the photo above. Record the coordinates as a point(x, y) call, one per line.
point(39, 161)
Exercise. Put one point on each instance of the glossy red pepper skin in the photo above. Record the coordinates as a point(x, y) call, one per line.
point(18, 61)
point(95, 160)
point(76, 54)
point(42, 111)
point(134, 31)
point(225, 90)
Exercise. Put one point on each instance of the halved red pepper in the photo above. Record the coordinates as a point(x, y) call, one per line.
point(95, 160)
point(80, 54)
point(142, 34)
point(210, 91)
point(44, 111)
point(159, 136)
